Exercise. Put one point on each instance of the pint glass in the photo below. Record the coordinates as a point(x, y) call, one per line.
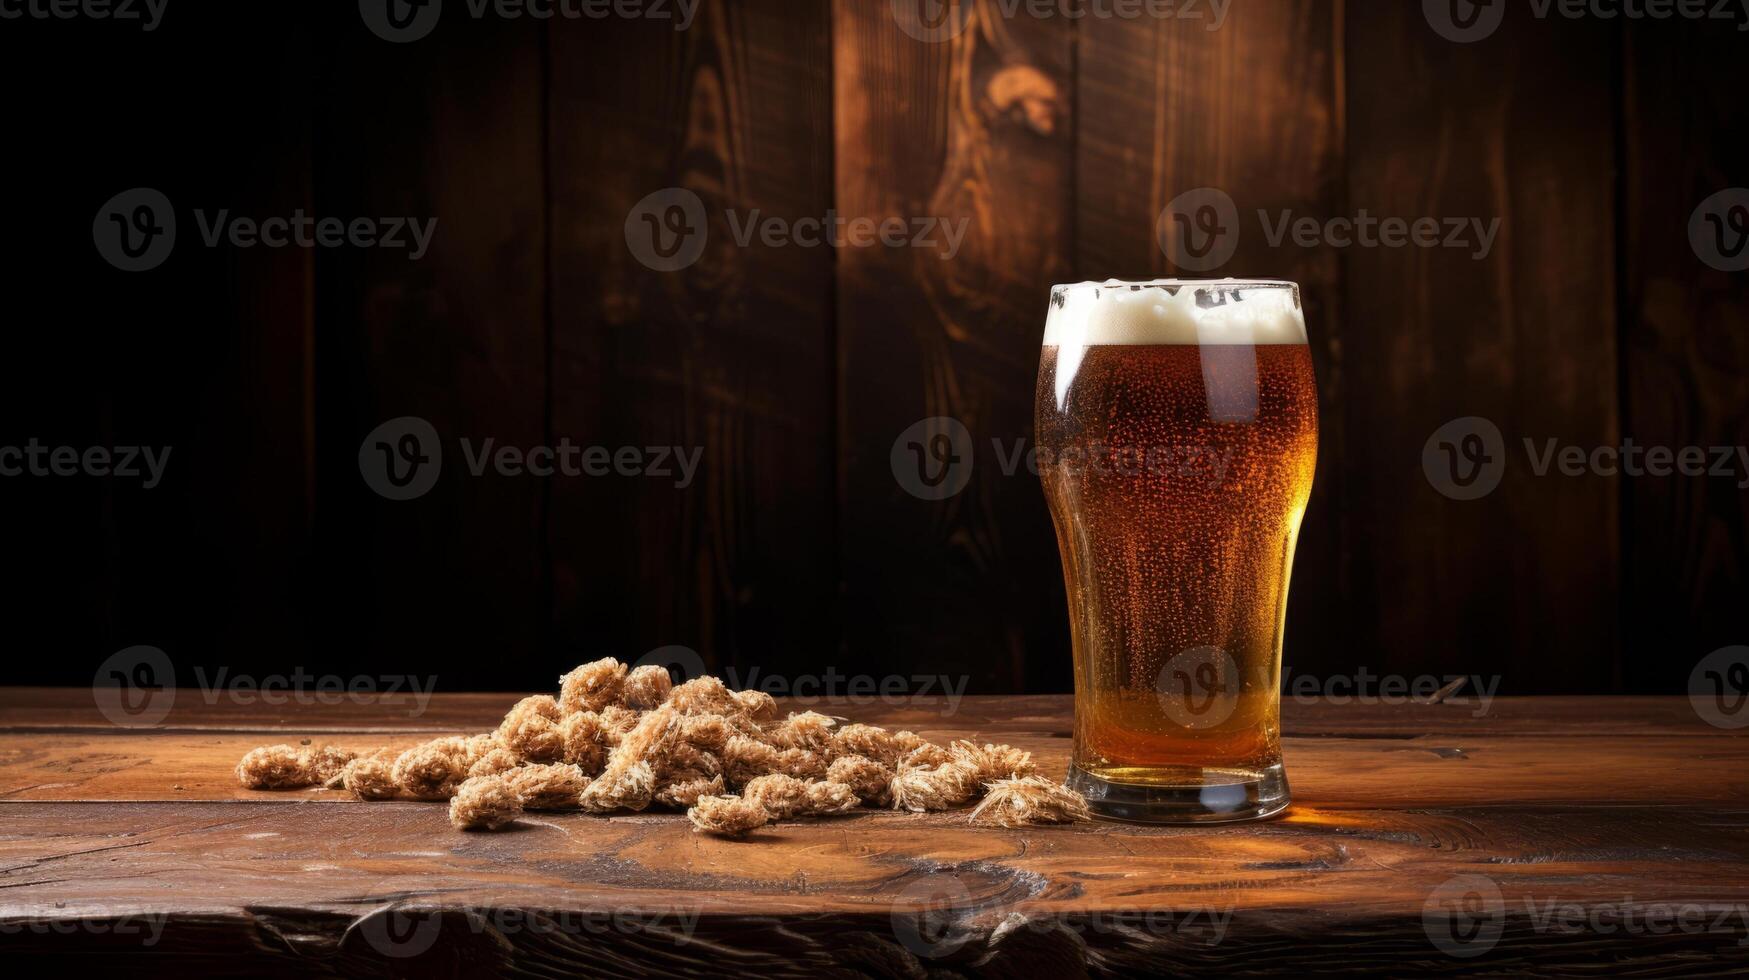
point(1177, 425)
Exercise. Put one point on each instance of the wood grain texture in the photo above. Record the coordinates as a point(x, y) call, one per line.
point(1685, 349)
point(1511, 128)
point(795, 368)
point(1329, 772)
point(973, 128)
point(1252, 107)
point(728, 358)
point(1637, 807)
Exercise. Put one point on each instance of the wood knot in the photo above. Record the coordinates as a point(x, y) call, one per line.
point(1028, 90)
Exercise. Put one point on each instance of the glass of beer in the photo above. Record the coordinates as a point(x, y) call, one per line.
point(1177, 425)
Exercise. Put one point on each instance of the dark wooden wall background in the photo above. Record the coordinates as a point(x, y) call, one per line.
point(796, 368)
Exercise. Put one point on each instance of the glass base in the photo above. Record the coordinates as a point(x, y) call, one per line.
point(1215, 796)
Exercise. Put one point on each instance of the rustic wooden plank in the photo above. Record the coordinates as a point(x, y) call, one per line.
point(1253, 109)
point(1524, 337)
point(1686, 367)
point(1286, 895)
point(324, 857)
point(973, 127)
point(50, 710)
point(1583, 815)
point(457, 337)
point(1327, 772)
point(729, 357)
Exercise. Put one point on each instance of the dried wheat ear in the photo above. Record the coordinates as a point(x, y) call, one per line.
point(615, 740)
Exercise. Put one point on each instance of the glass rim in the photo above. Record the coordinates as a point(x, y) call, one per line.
point(1228, 283)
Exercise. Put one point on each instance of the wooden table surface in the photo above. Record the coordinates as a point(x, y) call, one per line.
point(1546, 836)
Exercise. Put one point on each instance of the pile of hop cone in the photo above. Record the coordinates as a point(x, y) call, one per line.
point(618, 739)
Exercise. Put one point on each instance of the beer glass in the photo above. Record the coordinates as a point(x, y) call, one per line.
point(1177, 425)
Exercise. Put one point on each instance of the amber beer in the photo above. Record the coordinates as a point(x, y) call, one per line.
point(1177, 425)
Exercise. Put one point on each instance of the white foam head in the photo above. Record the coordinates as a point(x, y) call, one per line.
point(1175, 311)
